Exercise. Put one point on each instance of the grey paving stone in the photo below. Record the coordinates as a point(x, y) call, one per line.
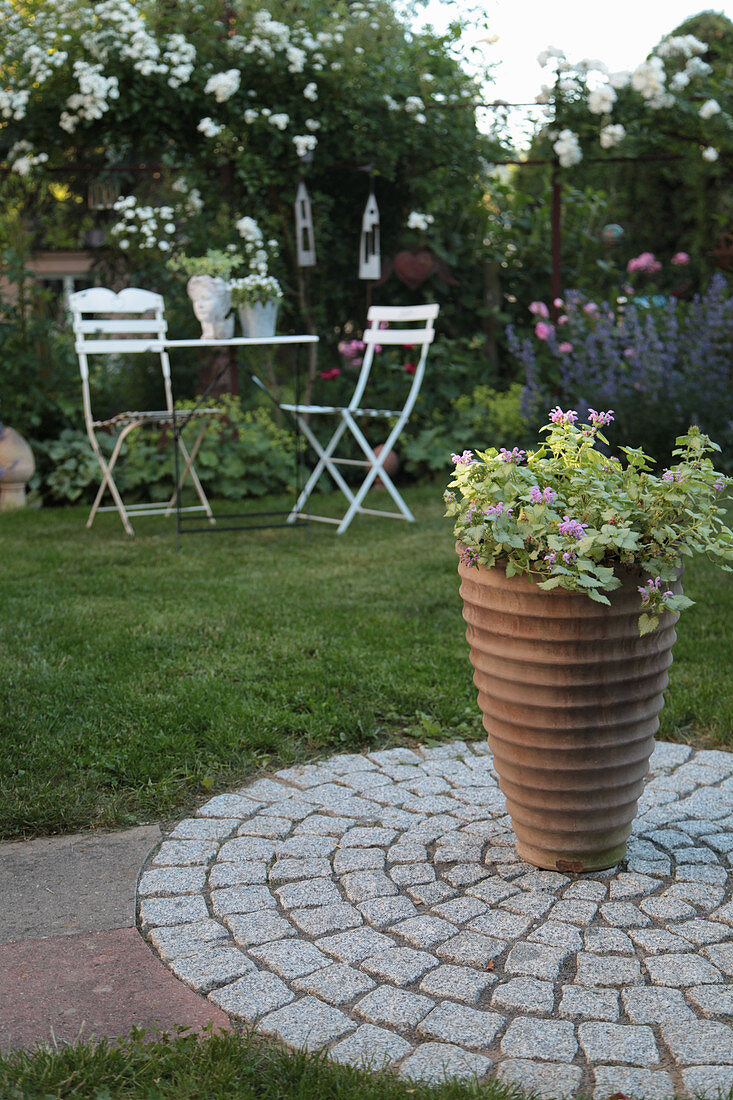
point(655, 1006)
point(229, 805)
point(661, 868)
point(724, 913)
point(702, 828)
point(393, 1007)
point(211, 967)
point(465, 874)
point(306, 775)
point(624, 914)
point(536, 960)
point(387, 758)
point(458, 848)
point(358, 859)
point(424, 930)
point(492, 891)
point(337, 984)
point(297, 870)
point(459, 983)
point(667, 908)
point(574, 911)
point(164, 881)
point(681, 970)
point(545, 1040)
point(656, 940)
point(700, 1042)
point(703, 895)
point(266, 790)
point(702, 931)
point(322, 825)
point(539, 881)
point(204, 828)
point(607, 970)
point(322, 919)
point(626, 885)
point(668, 755)
point(605, 941)
point(352, 947)
point(586, 889)
point(298, 809)
point(556, 934)
point(652, 1084)
point(252, 873)
point(247, 848)
point(249, 929)
point(164, 912)
point(307, 1024)
point(370, 1047)
point(581, 1003)
point(721, 842)
point(459, 910)
point(431, 893)
point(550, 1081)
point(701, 872)
point(501, 924)
point(720, 955)
point(381, 912)
point(290, 958)
point(708, 1081)
point(251, 996)
point(185, 853)
point(401, 965)
point(696, 855)
point(306, 847)
point(185, 939)
point(671, 839)
point(367, 837)
point(266, 826)
point(411, 874)
point(241, 899)
point(364, 885)
point(712, 999)
point(604, 1042)
point(529, 994)
point(471, 948)
point(407, 853)
point(456, 1023)
point(301, 895)
point(346, 763)
point(436, 1062)
point(534, 905)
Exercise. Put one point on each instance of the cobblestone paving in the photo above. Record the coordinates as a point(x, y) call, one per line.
point(376, 905)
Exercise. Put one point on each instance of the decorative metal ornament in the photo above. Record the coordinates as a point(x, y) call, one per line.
point(305, 242)
point(370, 260)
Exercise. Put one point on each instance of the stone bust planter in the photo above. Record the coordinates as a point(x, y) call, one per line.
point(211, 304)
point(17, 467)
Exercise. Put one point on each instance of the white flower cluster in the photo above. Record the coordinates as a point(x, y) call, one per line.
point(311, 91)
point(710, 154)
point(304, 144)
point(13, 104)
point(179, 56)
point(256, 252)
point(118, 27)
point(601, 100)
point(223, 85)
point(23, 158)
point(612, 135)
point(649, 80)
point(682, 45)
point(42, 62)
point(255, 288)
point(209, 128)
point(92, 99)
point(550, 54)
point(281, 121)
point(567, 147)
point(143, 227)
point(709, 108)
point(193, 203)
point(422, 222)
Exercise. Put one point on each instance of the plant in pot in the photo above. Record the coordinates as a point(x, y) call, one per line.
point(256, 298)
point(570, 566)
point(208, 289)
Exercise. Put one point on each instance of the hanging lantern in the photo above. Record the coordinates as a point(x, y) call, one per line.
point(370, 261)
point(103, 194)
point(306, 247)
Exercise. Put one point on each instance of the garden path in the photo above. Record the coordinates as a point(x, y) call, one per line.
point(375, 904)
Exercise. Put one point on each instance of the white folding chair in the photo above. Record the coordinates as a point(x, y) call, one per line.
point(106, 323)
point(374, 337)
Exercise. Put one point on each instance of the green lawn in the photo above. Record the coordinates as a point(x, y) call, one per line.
point(136, 679)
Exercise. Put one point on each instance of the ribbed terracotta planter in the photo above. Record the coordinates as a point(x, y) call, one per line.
point(570, 695)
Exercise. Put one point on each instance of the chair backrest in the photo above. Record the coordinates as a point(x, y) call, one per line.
point(375, 337)
point(109, 323)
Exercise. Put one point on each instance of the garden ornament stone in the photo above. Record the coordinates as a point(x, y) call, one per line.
point(17, 467)
point(211, 303)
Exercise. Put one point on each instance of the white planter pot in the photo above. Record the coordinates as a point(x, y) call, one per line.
point(259, 319)
point(211, 304)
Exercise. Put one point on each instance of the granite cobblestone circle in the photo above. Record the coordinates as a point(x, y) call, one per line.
point(375, 905)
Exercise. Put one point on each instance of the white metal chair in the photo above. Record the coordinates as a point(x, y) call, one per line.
point(374, 338)
point(106, 323)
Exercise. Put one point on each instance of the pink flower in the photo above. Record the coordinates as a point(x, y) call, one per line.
point(646, 262)
point(565, 347)
point(680, 259)
point(590, 307)
point(327, 375)
point(542, 330)
point(410, 368)
point(558, 303)
point(539, 309)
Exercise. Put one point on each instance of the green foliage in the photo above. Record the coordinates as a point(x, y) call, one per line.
point(214, 262)
point(572, 516)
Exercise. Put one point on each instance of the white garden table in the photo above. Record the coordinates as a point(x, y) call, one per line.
point(181, 420)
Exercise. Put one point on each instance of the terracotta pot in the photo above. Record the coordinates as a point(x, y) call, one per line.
point(570, 695)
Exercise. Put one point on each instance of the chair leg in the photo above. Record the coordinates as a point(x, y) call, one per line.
point(376, 470)
point(190, 469)
point(108, 480)
point(324, 463)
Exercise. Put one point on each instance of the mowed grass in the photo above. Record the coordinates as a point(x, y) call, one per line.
point(137, 679)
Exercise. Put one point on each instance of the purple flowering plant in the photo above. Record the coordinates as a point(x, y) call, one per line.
point(568, 515)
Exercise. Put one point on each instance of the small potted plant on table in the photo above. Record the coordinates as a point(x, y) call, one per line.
point(256, 298)
point(570, 563)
